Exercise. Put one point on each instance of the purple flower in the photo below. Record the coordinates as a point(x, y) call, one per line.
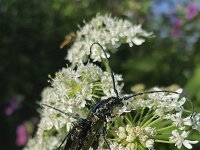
point(13, 105)
point(176, 31)
point(192, 11)
point(176, 22)
point(22, 135)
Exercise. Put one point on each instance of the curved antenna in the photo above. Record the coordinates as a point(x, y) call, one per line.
point(164, 91)
point(149, 92)
point(184, 94)
point(111, 72)
point(75, 117)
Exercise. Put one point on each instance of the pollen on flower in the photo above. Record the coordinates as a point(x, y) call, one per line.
point(129, 136)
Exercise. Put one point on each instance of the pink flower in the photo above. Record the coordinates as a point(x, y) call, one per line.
point(192, 11)
point(22, 135)
point(13, 106)
point(177, 22)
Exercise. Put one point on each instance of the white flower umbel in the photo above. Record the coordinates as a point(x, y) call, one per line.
point(151, 119)
point(110, 32)
point(70, 88)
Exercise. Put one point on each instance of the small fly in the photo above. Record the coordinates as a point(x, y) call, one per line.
point(85, 133)
point(68, 40)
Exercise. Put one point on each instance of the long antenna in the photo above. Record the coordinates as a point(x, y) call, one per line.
point(164, 91)
point(111, 72)
point(75, 117)
point(149, 92)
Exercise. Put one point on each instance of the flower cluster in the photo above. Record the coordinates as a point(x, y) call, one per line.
point(70, 88)
point(130, 133)
point(109, 32)
point(156, 118)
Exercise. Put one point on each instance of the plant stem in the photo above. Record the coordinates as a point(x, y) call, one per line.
point(163, 141)
point(146, 117)
point(155, 121)
point(166, 128)
point(139, 120)
point(149, 120)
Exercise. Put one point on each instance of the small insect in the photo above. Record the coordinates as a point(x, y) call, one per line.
point(85, 133)
point(68, 40)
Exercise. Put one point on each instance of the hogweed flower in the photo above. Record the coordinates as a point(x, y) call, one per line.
point(156, 118)
point(109, 32)
point(70, 88)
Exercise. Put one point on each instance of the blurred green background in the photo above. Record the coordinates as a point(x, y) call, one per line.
point(31, 32)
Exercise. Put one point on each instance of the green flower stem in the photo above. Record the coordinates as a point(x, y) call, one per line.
point(146, 117)
point(105, 63)
point(128, 120)
point(96, 96)
point(98, 92)
point(130, 117)
point(149, 120)
point(155, 121)
point(166, 128)
point(139, 120)
point(163, 141)
point(119, 122)
point(142, 146)
point(137, 114)
point(136, 145)
point(97, 84)
point(98, 89)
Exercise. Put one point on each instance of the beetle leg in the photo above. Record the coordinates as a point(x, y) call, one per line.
point(104, 134)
